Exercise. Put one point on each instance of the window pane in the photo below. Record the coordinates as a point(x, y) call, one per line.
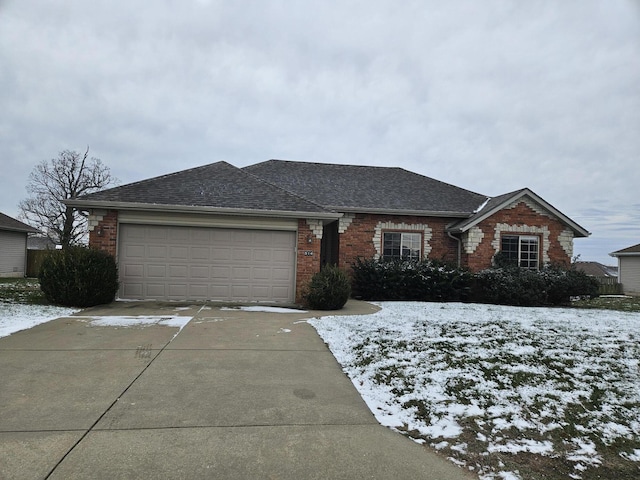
point(411, 246)
point(529, 252)
point(510, 247)
point(391, 247)
point(398, 245)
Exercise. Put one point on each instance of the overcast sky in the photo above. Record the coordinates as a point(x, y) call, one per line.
point(491, 96)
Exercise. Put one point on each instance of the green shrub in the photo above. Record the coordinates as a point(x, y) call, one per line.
point(509, 286)
point(549, 286)
point(566, 283)
point(79, 277)
point(329, 289)
point(428, 280)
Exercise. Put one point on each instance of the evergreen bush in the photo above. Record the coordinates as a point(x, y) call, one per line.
point(329, 289)
point(505, 284)
point(427, 280)
point(79, 277)
point(550, 286)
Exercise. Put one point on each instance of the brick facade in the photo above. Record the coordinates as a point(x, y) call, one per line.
point(362, 237)
point(103, 230)
point(308, 255)
point(522, 218)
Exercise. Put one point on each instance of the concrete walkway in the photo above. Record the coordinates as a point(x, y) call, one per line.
point(234, 395)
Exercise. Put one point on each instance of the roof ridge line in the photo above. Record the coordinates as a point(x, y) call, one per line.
point(288, 192)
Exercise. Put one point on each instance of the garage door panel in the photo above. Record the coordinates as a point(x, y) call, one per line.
point(243, 236)
point(154, 234)
point(221, 253)
point(156, 251)
point(133, 290)
point(156, 271)
point(199, 272)
point(185, 263)
point(179, 253)
point(156, 290)
point(280, 256)
point(134, 271)
point(240, 274)
point(179, 272)
point(262, 255)
point(177, 291)
point(241, 255)
point(240, 292)
point(220, 273)
point(263, 274)
point(135, 251)
point(220, 292)
point(200, 253)
point(198, 291)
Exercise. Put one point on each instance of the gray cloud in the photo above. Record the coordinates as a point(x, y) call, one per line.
point(490, 96)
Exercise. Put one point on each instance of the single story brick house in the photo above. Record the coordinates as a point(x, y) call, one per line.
point(260, 232)
point(13, 246)
point(629, 269)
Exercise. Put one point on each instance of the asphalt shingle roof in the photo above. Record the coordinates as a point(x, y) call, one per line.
point(633, 250)
point(363, 188)
point(11, 224)
point(218, 185)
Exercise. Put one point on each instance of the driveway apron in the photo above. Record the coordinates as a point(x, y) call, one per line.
point(235, 394)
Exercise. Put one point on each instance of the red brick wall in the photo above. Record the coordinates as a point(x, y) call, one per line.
point(308, 260)
point(520, 215)
point(104, 236)
point(358, 239)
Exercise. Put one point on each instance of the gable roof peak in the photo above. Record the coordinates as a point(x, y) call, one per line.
point(495, 204)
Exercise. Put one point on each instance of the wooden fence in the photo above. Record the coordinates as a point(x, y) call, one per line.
point(34, 260)
point(609, 286)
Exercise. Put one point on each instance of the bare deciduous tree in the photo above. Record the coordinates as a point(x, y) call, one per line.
point(68, 176)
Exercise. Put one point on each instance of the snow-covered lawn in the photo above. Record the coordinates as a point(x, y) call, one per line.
point(15, 317)
point(508, 392)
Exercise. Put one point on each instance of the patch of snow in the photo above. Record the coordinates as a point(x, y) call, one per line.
point(16, 317)
point(515, 373)
point(137, 321)
point(265, 309)
point(284, 330)
point(484, 204)
point(634, 456)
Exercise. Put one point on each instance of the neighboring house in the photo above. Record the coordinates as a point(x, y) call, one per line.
point(259, 233)
point(629, 269)
point(13, 246)
point(596, 269)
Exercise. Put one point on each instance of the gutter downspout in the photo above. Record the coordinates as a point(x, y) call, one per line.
point(459, 240)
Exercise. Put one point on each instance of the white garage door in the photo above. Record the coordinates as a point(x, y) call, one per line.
point(193, 263)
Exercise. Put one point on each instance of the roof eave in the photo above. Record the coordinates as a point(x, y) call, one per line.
point(154, 207)
point(19, 230)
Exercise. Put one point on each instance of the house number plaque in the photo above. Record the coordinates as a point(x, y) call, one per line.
point(308, 253)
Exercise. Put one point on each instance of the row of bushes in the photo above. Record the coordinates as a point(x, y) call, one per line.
point(437, 281)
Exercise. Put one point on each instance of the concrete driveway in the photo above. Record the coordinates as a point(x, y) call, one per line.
point(232, 395)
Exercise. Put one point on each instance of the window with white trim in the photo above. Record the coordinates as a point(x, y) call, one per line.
point(521, 249)
point(401, 246)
